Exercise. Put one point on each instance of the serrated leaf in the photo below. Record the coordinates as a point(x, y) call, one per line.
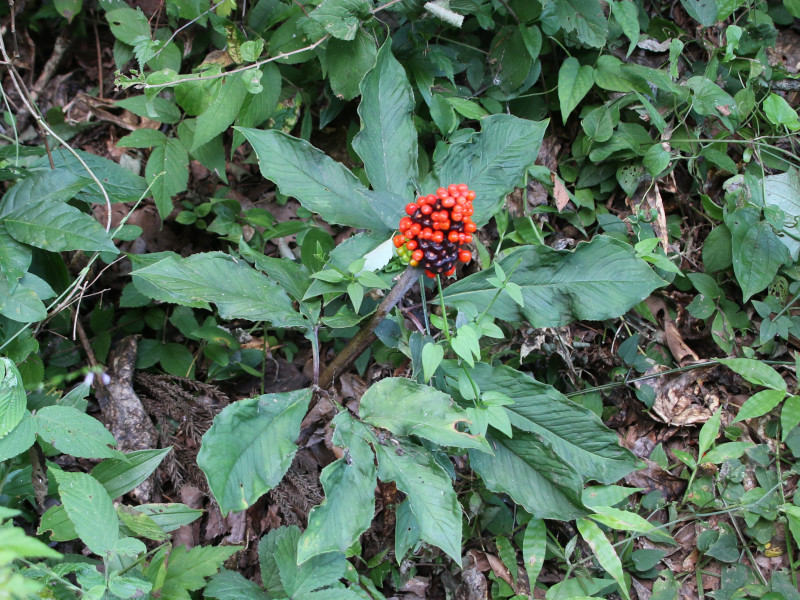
point(341, 18)
point(250, 446)
point(600, 279)
point(168, 171)
point(57, 227)
point(230, 585)
point(321, 184)
point(405, 408)
point(349, 505)
point(74, 432)
point(493, 162)
point(574, 82)
point(222, 110)
point(429, 490)
point(19, 439)
point(387, 142)
point(238, 290)
point(12, 396)
point(90, 509)
point(187, 570)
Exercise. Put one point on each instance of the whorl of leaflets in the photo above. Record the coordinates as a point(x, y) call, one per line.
point(436, 227)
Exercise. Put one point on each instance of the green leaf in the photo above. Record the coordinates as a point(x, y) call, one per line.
point(702, 11)
point(68, 8)
point(12, 396)
point(584, 17)
point(58, 184)
point(15, 258)
point(756, 372)
point(170, 516)
point(467, 108)
point(534, 548)
point(168, 171)
point(19, 439)
point(121, 475)
point(406, 408)
point(783, 191)
point(574, 432)
point(625, 520)
point(298, 580)
point(574, 82)
point(387, 142)
point(250, 446)
point(319, 183)
point(708, 433)
point(790, 417)
point(74, 432)
point(230, 585)
point(341, 18)
point(707, 97)
point(14, 544)
point(57, 227)
point(529, 470)
point(348, 62)
point(349, 505)
point(759, 404)
point(627, 15)
point(221, 112)
point(238, 290)
point(600, 279)
point(121, 184)
point(187, 569)
point(429, 490)
point(158, 109)
point(142, 138)
point(604, 552)
point(432, 355)
point(509, 60)
point(128, 25)
point(494, 162)
point(20, 303)
point(90, 509)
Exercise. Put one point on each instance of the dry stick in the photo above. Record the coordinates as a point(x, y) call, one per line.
point(362, 340)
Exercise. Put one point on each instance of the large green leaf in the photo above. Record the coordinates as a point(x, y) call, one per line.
point(600, 279)
point(74, 432)
point(757, 251)
point(19, 439)
point(90, 509)
point(53, 184)
point(494, 162)
point(20, 303)
point(57, 227)
point(121, 475)
point(300, 579)
point(231, 585)
point(341, 18)
point(532, 474)
point(406, 407)
point(319, 183)
point(238, 290)
point(250, 446)
point(15, 258)
point(12, 396)
point(428, 487)
point(574, 432)
point(387, 142)
point(349, 506)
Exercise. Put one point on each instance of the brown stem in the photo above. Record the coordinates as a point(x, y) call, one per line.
point(362, 340)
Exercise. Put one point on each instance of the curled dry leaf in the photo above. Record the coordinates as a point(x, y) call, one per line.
point(682, 399)
point(559, 192)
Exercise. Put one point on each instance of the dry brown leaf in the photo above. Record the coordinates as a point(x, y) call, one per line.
point(559, 192)
point(680, 351)
point(653, 478)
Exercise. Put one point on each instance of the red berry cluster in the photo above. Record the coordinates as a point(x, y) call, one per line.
point(436, 226)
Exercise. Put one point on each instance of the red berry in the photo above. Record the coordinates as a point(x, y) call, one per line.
point(470, 195)
point(411, 208)
point(429, 274)
point(405, 223)
point(441, 192)
point(449, 202)
point(451, 271)
point(437, 237)
point(465, 256)
point(412, 245)
point(470, 227)
point(417, 255)
point(452, 236)
point(399, 240)
point(463, 187)
point(426, 209)
point(414, 229)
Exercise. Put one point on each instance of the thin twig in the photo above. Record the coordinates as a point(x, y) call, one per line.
point(182, 27)
point(366, 335)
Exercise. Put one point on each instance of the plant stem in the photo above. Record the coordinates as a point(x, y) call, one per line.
point(362, 340)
